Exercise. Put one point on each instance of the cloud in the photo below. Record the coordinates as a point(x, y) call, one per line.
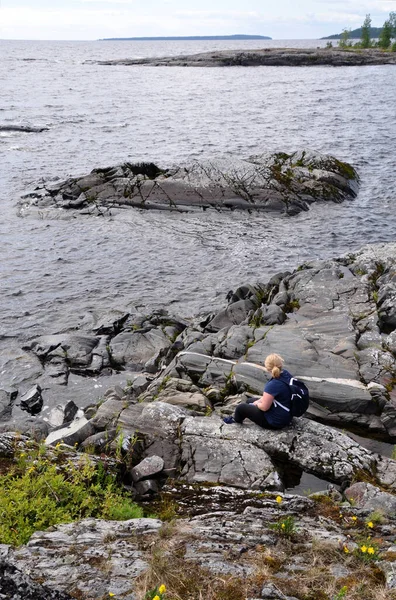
point(321, 18)
point(216, 14)
point(82, 23)
point(367, 6)
point(111, 2)
point(92, 19)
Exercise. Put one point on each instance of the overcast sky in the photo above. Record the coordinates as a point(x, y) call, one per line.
point(93, 19)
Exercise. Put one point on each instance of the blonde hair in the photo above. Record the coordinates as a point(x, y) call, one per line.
point(274, 364)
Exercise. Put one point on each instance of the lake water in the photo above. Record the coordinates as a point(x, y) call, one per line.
point(53, 272)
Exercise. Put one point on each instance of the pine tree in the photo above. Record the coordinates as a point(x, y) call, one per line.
point(366, 37)
point(385, 36)
point(392, 21)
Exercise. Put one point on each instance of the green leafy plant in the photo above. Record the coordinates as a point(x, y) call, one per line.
point(157, 593)
point(292, 305)
point(285, 526)
point(367, 551)
point(256, 319)
point(341, 594)
point(377, 517)
point(42, 490)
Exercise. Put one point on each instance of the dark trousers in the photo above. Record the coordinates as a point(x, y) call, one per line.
point(247, 410)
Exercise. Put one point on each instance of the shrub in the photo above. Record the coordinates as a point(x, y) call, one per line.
point(285, 526)
point(343, 42)
point(37, 493)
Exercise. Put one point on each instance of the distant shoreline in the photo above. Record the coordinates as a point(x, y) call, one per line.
point(188, 37)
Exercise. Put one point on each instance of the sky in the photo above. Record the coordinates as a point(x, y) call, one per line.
point(94, 19)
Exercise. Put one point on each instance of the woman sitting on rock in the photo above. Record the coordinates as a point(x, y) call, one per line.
point(272, 410)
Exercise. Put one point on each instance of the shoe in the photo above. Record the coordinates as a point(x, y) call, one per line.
point(229, 420)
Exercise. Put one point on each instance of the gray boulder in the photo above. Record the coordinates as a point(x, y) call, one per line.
point(32, 401)
point(234, 314)
point(91, 557)
point(182, 393)
point(224, 462)
point(367, 496)
point(146, 469)
point(7, 400)
point(135, 349)
point(317, 449)
point(74, 434)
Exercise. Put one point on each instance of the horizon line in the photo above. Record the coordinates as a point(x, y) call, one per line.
point(118, 39)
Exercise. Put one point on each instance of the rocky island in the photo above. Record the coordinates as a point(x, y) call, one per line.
point(281, 182)
point(226, 524)
point(285, 57)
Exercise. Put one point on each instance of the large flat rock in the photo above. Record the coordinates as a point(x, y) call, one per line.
point(288, 57)
point(280, 182)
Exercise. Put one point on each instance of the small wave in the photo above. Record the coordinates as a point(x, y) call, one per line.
point(114, 126)
point(31, 59)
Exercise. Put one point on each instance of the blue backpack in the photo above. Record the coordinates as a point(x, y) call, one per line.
point(299, 397)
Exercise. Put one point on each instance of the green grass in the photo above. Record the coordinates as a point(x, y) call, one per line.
point(40, 491)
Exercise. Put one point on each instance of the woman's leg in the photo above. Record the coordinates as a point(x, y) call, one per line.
point(248, 410)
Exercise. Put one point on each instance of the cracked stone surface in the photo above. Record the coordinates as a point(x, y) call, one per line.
point(278, 182)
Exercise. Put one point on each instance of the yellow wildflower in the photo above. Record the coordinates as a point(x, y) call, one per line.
point(283, 525)
point(363, 549)
point(370, 524)
point(341, 515)
point(371, 550)
point(354, 518)
point(162, 589)
point(346, 550)
point(279, 499)
point(156, 598)
point(111, 594)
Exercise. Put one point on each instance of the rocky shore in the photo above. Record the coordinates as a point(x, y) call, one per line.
point(220, 491)
point(275, 57)
point(277, 182)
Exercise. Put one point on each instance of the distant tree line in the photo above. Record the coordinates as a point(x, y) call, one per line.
point(385, 35)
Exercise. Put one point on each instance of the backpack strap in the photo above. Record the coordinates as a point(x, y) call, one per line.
point(276, 403)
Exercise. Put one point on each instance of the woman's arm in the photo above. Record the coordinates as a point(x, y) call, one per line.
point(265, 402)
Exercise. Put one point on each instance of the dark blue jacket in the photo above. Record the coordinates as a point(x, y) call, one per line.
point(276, 415)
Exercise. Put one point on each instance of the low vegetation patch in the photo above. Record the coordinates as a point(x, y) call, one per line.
point(183, 578)
point(41, 490)
point(186, 580)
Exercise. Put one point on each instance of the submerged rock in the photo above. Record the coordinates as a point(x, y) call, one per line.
point(23, 128)
point(281, 182)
